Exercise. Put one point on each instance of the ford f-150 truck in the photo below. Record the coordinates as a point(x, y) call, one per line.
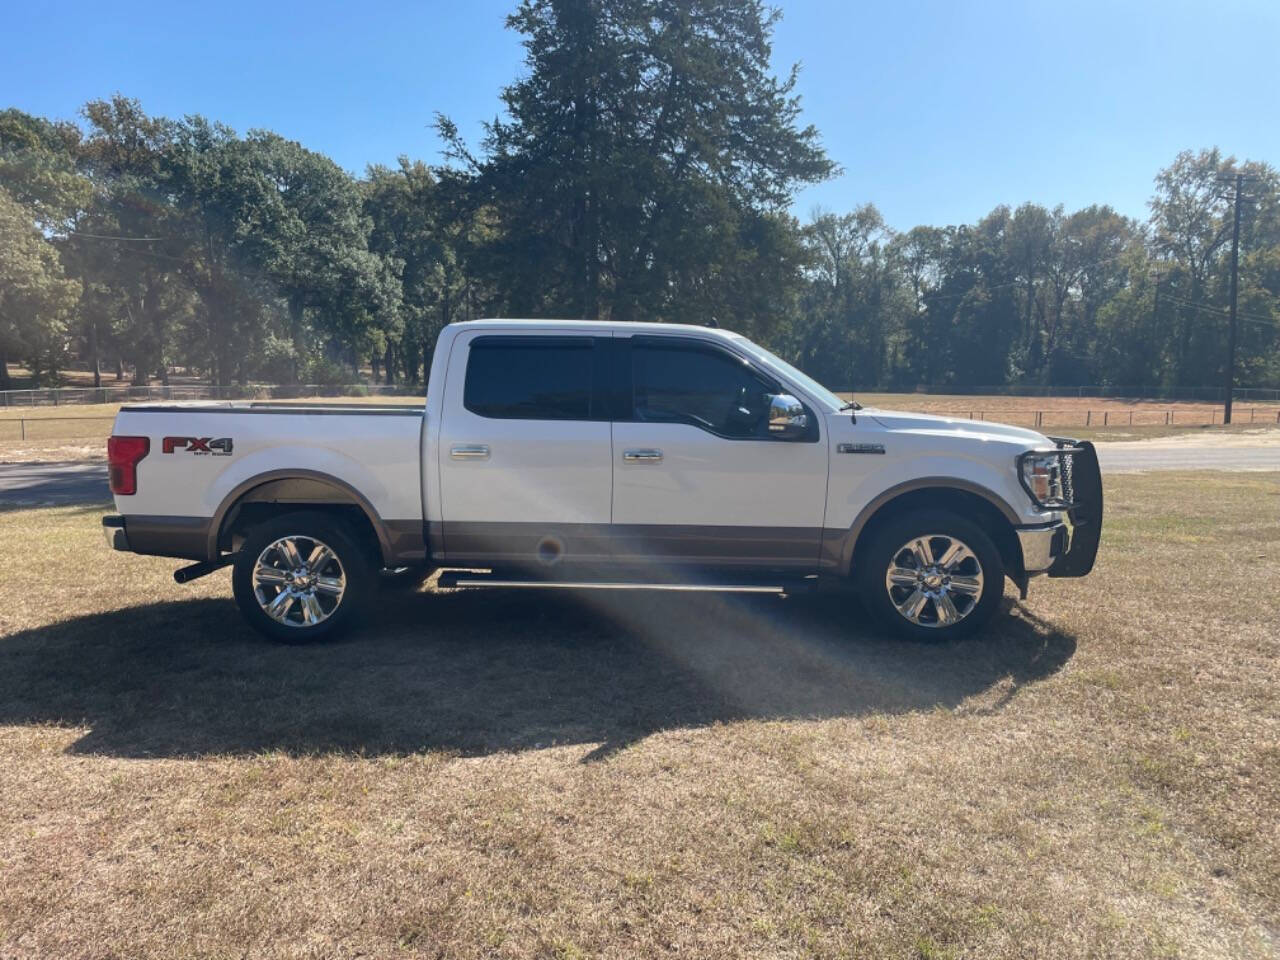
point(602, 455)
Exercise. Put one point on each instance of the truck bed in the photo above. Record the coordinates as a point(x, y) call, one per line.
point(204, 457)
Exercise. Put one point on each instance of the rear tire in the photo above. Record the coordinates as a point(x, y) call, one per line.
point(930, 575)
point(301, 577)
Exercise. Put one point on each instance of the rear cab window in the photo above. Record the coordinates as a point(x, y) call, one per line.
point(536, 378)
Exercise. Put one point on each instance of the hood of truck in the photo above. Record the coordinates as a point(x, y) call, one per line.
point(898, 421)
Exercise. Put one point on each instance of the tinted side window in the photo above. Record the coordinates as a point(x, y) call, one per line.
point(530, 378)
point(700, 386)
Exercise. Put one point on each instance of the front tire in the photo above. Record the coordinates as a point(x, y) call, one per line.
point(301, 577)
point(930, 575)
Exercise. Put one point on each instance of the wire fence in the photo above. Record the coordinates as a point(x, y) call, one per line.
point(1201, 394)
point(1147, 417)
point(50, 429)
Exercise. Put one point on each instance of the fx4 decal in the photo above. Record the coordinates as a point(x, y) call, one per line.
point(201, 446)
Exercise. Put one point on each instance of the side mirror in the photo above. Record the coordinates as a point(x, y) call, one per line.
point(787, 417)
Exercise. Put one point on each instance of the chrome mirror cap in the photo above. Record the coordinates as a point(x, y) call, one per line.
point(787, 417)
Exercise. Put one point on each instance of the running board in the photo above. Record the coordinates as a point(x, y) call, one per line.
point(451, 581)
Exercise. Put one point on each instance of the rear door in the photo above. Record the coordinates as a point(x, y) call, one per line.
point(525, 450)
point(697, 476)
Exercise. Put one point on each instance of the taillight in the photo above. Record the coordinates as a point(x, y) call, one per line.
point(123, 454)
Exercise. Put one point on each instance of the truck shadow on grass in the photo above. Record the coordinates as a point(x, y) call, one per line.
point(480, 672)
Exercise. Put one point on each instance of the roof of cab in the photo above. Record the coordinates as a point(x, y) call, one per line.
point(623, 325)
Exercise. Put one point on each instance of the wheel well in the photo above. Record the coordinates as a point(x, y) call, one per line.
point(977, 508)
point(291, 495)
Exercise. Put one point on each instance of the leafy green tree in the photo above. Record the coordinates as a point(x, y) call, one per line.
point(42, 193)
point(126, 248)
point(646, 162)
point(319, 258)
point(403, 206)
point(1191, 220)
point(38, 168)
point(35, 296)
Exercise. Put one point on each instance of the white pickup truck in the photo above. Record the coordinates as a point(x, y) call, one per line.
point(602, 455)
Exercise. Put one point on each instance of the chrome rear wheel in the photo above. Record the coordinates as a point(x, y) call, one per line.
point(299, 581)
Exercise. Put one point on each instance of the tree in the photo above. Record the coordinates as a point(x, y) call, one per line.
point(647, 147)
point(40, 193)
point(38, 170)
point(403, 207)
point(126, 247)
point(319, 258)
point(1191, 229)
point(35, 296)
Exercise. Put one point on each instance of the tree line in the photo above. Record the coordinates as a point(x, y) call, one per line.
point(643, 168)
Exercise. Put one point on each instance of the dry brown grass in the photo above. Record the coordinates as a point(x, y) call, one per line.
point(509, 775)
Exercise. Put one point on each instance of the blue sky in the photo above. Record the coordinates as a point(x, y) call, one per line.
point(937, 111)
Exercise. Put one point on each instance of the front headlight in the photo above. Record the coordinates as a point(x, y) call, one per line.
point(1041, 476)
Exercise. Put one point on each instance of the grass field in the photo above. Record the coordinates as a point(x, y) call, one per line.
point(501, 775)
point(80, 432)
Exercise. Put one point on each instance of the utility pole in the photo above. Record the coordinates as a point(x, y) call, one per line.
point(1235, 277)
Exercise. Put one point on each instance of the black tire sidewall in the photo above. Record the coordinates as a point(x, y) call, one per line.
point(887, 538)
point(334, 533)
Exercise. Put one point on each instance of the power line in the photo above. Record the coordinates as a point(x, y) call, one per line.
point(99, 236)
point(1218, 310)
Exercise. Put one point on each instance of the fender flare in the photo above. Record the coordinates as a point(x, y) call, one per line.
point(349, 495)
point(840, 552)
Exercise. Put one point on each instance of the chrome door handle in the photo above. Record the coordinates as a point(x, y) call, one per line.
point(642, 456)
point(469, 451)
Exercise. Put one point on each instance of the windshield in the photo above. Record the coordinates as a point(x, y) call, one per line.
point(811, 386)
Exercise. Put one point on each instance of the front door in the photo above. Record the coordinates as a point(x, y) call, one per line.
point(525, 454)
point(698, 478)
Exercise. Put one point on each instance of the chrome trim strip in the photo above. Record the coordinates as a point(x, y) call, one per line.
point(462, 582)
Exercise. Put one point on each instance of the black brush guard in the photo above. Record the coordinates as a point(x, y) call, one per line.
point(1082, 482)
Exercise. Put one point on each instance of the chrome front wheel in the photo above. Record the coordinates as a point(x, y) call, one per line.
point(931, 575)
point(934, 580)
